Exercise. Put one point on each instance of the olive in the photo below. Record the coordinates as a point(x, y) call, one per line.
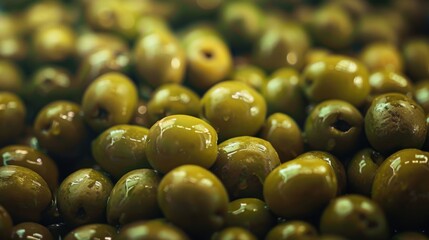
point(382, 56)
point(92, 232)
point(151, 230)
point(24, 193)
point(235, 233)
point(13, 48)
point(6, 224)
point(354, 217)
point(11, 79)
point(82, 197)
point(134, 197)
point(54, 43)
point(194, 199)
point(387, 81)
point(291, 230)
point(316, 54)
point(416, 55)
point(141, 116)
point(120, 149)
point(151, 23)
point(12, 117)
point(242, 165)
point(44, 13)
point(180, 139)
point(249, 74)
point(30, 230)
point(421, 94)
point(373, 28)
point(87, 43)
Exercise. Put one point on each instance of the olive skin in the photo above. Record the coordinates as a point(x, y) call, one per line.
point(134, 197)
point(194, 199)
point(394, 122)
point(60, 128)
point(110, 100)
point(236, 233)
point(82, 197)
point(12, 117)
point(168, 65)
point(334, 126)
point(24, 193)
point(170, 99)
point(180, 139)
point(382, 56)
point(421, 94)
point(291, 230)
point(30, 230)
point(283, 93)
point(44, 13)
point(151, 230)
point(93, 41)
point(284, 134)
point(361, 171)
point(92, 231)
point(6, 224)
point(309, 186)
point(233, 109)
point(251, 214)
point(11, 79)
point(400, 188)
point(33, 159)
point(251, 75)
point(242, 165)
point(54, 43)
point(120, 149)
point(416, 55)
point(386, 81)
point(336, 77)
point(354, 217)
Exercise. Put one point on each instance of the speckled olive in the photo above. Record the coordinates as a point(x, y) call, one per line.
point(291, 230)
point(151, 230)
point(6, 224)
point(12, 117)
point(30, 230)
point(92, 232)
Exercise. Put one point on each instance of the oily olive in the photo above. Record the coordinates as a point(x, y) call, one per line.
point(160, 58)
point(181, 139)
point(291, 230)
point(332, 27)
point(60, 129)
point(87, 43)
point(92, 232)
point(284, 134)
point(24, 193)
point(354, 217)
point(249, 74)
point(416, 58)
point(6, 224)
point(300, 188)
point(233, 109)
point(194, 199)
point(236, 233)
point(82, 197)
point(382, 56)
point(387, 81)
point(400, 188)
point(11, 79)
point(361, 170)
point(33, 159)
point(251, 214)
point(54, 43)
point(282, 92)
point(30, 230)
point(120, 149)
point(134, 197)
point(334, 126)
point(409, 236)
point(242, 165)
point(110, 100)
point(336, 77)
point(170, 99)
point(393, 122)
point(12, 117)
point(421, 94)
point(151, 230)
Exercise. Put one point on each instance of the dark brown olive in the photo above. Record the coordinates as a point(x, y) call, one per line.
point(31, 230)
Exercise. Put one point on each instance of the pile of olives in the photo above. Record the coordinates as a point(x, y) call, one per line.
point(214, 120)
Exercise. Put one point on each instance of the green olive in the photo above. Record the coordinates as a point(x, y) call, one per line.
point(92, 232)
point(251, 75)
point(387, 81)
point(41, 14)
point(120, 149)
point(235, 233)
point(421, 94)
point(54, 43)
point(151, 230)
point(373, 28)
point(416, 58)
point(87, 43)
point(11, 79)
point(6, 224)
point(382, 56)
point(141, 116)
point(30, 230)
point(13, 48)
point(291, 230)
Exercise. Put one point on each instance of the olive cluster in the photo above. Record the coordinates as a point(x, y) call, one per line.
point(211, 119)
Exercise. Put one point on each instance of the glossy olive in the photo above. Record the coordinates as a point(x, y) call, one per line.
point(30, 230)
point(284, 134)
point(394, 122)
point(11, 79)
point(354, 217)
point(291, 230)
point(361, 170)
point(282, 92)
point(180, 139)
point(60, 129)
point(6, 224)
point(382, 56)
point(91, 232)
point(251, 214)
point(33, 159)
point(194, 199)
point(151, 230)
point(416, 55)
point(421, 94)
point(249, 74)
point(334, 126)
point(400, 188)
point(235, 233)
point(54, 43)
point(233, 109)
point(300, 188)
point(170, 99)
point(134, 197)
point(110, 100)
point(386, 81)
point(24, 193)
point(242, 165)
point(12, 117)
point(120, 149)
point(82, 197)
point(87, 43)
